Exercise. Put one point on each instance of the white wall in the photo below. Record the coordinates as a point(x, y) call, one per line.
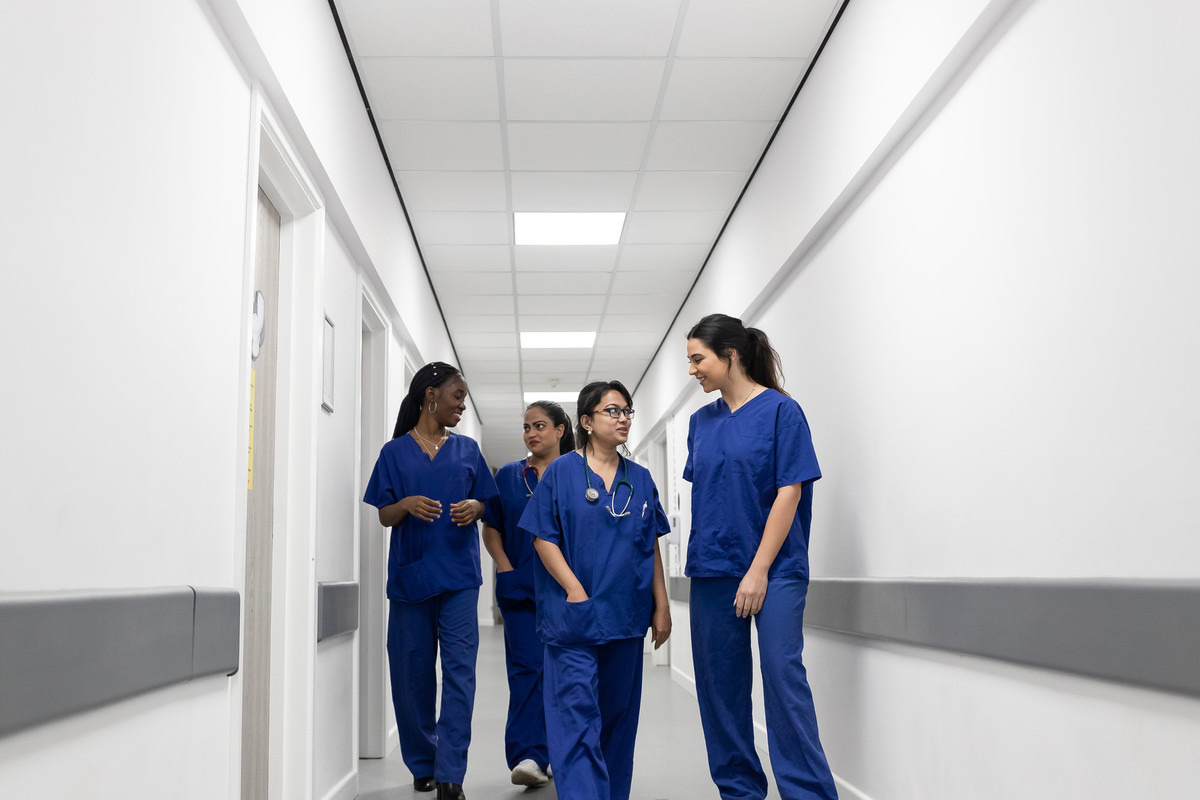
point(124, 261)
point(121, 267)
point(985, 302)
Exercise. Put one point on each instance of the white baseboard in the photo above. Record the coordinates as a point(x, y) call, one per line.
point(684, 680)
point(346, 789)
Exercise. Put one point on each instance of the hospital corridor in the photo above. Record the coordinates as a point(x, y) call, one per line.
point(600, 400)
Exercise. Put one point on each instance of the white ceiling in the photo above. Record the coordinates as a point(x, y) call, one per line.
point(658, 108)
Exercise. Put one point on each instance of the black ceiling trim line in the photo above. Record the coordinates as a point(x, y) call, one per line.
point(812, 64)
point(362, 91)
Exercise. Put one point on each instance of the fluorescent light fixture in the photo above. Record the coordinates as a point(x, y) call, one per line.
point(558, 397)
point(539, 339)
point(569, 228)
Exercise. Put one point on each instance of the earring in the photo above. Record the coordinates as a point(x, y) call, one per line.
point(432, 407)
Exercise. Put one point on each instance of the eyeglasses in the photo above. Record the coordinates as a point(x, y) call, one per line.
point(615, 412)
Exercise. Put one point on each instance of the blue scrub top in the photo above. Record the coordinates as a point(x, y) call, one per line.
point(613, 557)
point(428, 558)
point(515, 484)
point(736, 463)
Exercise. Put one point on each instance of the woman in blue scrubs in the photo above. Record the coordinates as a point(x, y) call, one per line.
point(547, 436)
point(595, 518)
point(752, 467)
point(431, 487)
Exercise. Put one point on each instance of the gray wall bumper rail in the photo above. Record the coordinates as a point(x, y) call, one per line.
point(1142, 632)
point(337, 609)
point(66, 652)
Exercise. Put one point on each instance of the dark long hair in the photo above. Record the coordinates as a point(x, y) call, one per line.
point(432, 374)
point(559, 417)
point(721, 333)
point(588, 397)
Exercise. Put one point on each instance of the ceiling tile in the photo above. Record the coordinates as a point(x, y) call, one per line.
point(531, 258)
point(571, 373)
point(674, 282)
point(572, 191)
point(731, 89)
point(447, 283)
point(467, 257)
point(454, 191)
point(688, 191)
point(477, 304)
point(461, 227)
point(663, 256)
point(706, 146)
point(633, 354)
point(431, 88)
point(475, 323)
point(543, 283)
point(645, 303)
point(610, 339)
point(577, 89)
point(572, 304)
point(754, 28)
point(442, 145)
point(576, 145)
point(418, 28)
point(672, 226)
point(612, 28)
point(638, 322)
point(561, 321)
point(491, 338)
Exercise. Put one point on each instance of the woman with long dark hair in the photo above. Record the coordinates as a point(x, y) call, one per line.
point(547, 432)
point(596, 518)
point(431, 486)
point(752, 467)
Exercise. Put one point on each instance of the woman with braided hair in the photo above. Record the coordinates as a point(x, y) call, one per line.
point(431, 487)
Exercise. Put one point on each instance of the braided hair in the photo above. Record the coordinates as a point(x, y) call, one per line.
point(433, 374)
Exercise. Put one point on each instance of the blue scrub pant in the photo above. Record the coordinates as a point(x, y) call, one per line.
point(721, 654)
point(593, 698)
point(415, 631)
point(525, 731)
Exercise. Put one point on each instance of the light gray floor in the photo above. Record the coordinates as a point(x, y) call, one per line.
point(669, 764)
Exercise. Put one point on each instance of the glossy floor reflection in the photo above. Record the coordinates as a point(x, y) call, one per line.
point(669, 765)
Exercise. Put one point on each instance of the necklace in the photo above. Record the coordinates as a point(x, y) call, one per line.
point(745, 399)
point(432, 444)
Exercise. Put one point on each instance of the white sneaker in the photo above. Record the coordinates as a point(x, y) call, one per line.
point(528, 773)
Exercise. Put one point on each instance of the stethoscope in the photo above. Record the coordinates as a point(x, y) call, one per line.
point(593, 495)
point(525, 480)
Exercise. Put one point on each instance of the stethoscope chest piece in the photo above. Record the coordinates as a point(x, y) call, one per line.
point(592, 495)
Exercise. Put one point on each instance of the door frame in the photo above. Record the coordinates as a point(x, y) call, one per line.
point(377, 734)
point(276, 167)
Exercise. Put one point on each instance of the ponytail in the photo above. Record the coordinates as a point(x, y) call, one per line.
point(431, 375)
point(559, 417)
point(722, 333)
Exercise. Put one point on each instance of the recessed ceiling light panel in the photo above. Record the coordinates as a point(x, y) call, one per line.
point(558, 397)
point(568, 228)
point(558, 339)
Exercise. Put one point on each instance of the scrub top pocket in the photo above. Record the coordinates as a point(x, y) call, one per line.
point(566, 623)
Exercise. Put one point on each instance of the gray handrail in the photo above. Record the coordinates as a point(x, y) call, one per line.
point(66, 652)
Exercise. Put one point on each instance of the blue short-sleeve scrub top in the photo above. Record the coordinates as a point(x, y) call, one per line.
point(428, 558)
point(613, 557)
point(516, 485)
point(737, 461)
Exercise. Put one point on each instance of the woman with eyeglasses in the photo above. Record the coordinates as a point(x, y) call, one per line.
point(595, 519)
point(752, 467)
point(431, 487)
point(547, 436)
